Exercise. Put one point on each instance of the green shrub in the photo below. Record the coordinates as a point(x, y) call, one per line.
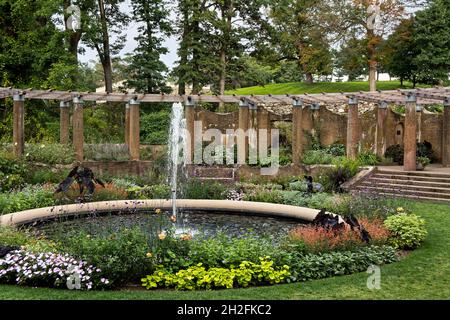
point(368, 158)
point(122, 256)
point(423, 149)
point(408, 230)
point(395, 152)
point(49, 153)
point(197, 189)
point(155, 127)
point(336, 149)
point(10, 236)
point(318, 266)
point(198, 277)
point(12, 172)
point(223, 251)
point(42, 176)
point(106, 152)
point(157, 191)
point(333, 178)
point(30, 197)
point(271, 196)
point(424, 161)
point(311, 157)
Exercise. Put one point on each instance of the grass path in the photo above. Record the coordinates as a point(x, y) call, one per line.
point(423, 274)
point(301, 87)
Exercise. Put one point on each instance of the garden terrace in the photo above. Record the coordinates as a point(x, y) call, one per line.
point(412, 99)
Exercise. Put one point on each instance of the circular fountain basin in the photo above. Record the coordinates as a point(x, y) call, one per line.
point(130, 206)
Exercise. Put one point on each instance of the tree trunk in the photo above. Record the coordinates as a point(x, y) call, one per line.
point(373, 63)
point(309, 78)
point(106, 56)
point(227, 15)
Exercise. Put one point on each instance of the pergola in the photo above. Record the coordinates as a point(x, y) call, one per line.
point(409, 98)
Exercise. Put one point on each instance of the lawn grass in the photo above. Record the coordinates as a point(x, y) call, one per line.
point(423, 274)
point(301, 87)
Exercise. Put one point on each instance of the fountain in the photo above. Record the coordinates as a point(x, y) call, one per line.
point(176, 154)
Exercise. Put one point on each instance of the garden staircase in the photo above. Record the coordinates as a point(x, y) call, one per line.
point(422, 185)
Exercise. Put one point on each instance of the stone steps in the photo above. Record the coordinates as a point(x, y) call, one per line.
point(421, 185)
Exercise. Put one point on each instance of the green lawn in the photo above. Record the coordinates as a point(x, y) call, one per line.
point(301, 87)
point(423, 274)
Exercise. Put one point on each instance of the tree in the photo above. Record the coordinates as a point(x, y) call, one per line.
point(351, 59)
point(375, 19)
point(103, 20)
point(400, 52)
point(300, 33)
point(431, 39)
point(147, 71)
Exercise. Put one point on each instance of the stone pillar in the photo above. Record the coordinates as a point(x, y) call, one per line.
point(64, 122)
point(297, 132)
point(264, 120)
point(380, 143)
point(419, 111)
point(134, 143)
point(409, 162)
point(78, 128)
point(446, 134)
point(127, 125)
point(19, 125)
point(242, 139)
point(352, 128)
point(190, 127)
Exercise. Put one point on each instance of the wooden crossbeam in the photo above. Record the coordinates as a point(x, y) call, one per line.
point(425, 96)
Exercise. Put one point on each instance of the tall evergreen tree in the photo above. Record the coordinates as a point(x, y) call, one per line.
point(147, 73)
point(432, 38)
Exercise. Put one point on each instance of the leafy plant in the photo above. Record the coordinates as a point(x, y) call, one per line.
point(49, 153)
point(424, 161)
point(122, 255)
point(407, 230)
point(197, 189)
point(29, 197)
point(368, 158)
point(395, 152)
point(198, 277)
point(12, 172)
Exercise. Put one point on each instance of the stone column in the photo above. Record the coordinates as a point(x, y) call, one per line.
point(409, 162)
point(127, 125)
point(297, 132)
point(190, 127)
point(446, 134)
point(352, 128)
point(242, 139)
point(135, 128)
point(78, 128)
point(18, 125)
point(419, 112)
point(380, 143)
point(64, 122)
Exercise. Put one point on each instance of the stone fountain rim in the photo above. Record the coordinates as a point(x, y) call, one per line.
point(236, 207)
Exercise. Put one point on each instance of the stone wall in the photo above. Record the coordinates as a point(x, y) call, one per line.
point(330, 124)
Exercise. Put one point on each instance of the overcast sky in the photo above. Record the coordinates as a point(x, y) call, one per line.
point(171, 43)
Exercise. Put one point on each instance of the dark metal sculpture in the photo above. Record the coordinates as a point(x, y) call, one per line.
point(331, 222)
point(85, 179)
point(312, 187)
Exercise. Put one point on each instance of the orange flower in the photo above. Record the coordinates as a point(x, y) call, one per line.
point(173, 218)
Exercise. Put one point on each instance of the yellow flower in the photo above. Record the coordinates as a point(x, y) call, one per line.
point(158, 211)
point(149, 255)
point(400, 209)
point(162, 235)
point(173, 218)
point(186, 237)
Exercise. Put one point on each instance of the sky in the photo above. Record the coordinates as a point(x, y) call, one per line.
point(171, 43)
